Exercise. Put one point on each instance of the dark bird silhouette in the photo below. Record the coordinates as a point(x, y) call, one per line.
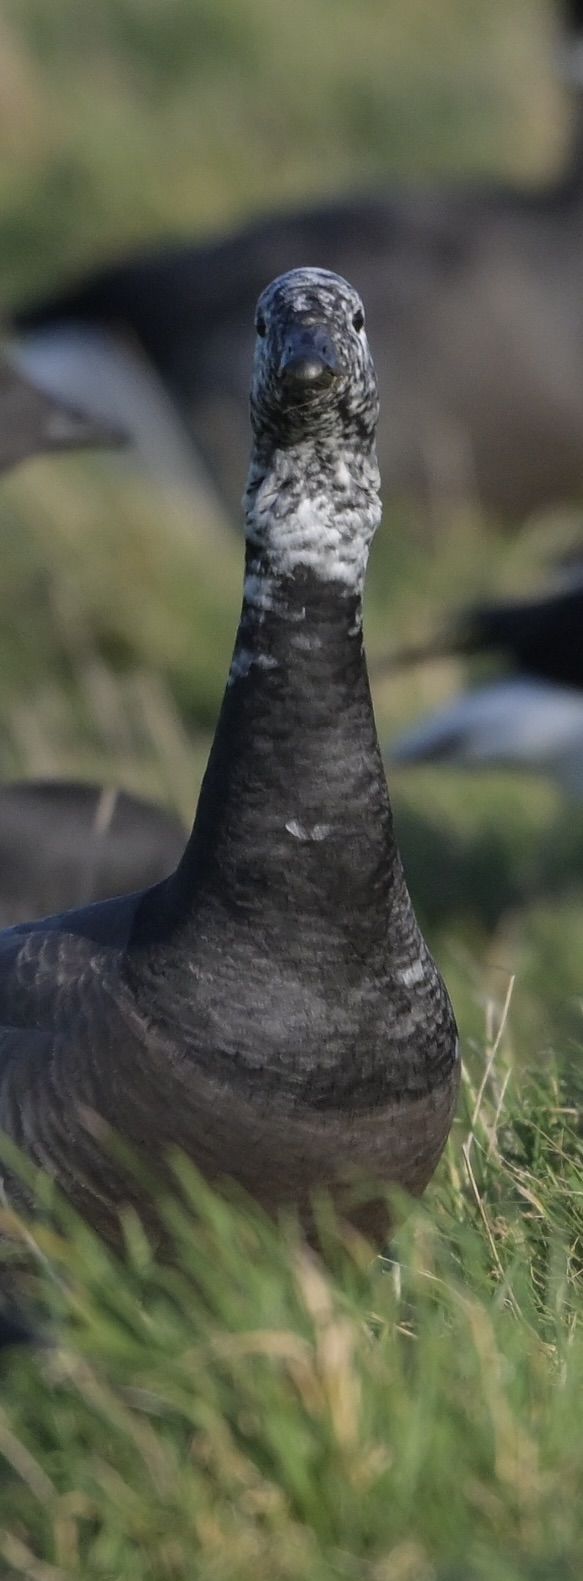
point(15, 1330)
point(475, 304)
point(33, 421)
point(531, 717)
point(540, 637)
point(271, 1008)
point(515, 724)
point(63, 844)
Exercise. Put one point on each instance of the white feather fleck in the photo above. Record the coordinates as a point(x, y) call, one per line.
point(259, 591)
point(318, 831)
point(244, 660)
point(412, 974)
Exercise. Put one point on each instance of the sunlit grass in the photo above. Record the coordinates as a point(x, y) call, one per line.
point(246, 1407)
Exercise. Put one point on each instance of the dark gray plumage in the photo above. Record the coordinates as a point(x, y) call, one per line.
point(539, 637)
point(271, 1008)
point(64, 844)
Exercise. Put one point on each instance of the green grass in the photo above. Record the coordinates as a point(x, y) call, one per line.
point(130, 117)
point(249, 1409)
point(244, 1410)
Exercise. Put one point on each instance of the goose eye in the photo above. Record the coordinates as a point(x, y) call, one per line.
point(261, 325)
point(358, 319)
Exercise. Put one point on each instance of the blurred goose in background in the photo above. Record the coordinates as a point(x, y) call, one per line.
point(33, 421)
point(540, 637)
point(271, 1008)
point(14, 1330)
point(63, 844)
point(530, 719)
point(516, 724)
point(475, 304)
point(116, 385)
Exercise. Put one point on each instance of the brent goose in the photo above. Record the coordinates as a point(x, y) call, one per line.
point(117, 387)
point(532, 718)
point(515, 724)
point(271, 1008)
point(63, 844)
point(541, 637)
point(475, 302)
point(33, 421)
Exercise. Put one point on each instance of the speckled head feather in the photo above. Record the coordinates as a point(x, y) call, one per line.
point(312, 491)
point(348, 406)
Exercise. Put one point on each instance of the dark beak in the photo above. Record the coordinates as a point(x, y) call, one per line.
point(309, 359)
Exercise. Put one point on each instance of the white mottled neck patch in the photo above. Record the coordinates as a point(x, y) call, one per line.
point(314, 511)
point(304, 509)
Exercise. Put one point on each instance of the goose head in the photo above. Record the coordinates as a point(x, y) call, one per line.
point(312, 491)
point(313, 373)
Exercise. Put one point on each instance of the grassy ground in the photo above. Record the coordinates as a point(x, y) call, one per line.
point(277, 1420)
point(252, 1410)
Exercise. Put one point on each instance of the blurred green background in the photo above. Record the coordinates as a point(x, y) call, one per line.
point(127, 120)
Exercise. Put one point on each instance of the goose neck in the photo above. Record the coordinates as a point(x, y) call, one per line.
point(313, 506)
